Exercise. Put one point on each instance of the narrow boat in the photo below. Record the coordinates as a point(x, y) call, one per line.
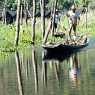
point(58, 47)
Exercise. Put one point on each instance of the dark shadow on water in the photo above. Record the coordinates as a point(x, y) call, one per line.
point(60, 56)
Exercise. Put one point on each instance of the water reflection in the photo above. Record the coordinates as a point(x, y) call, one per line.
point(61, 56)
point(74, 69)
point(35, 69)
point(44, 71)
point(20, 85)
point(23, 68)
point(26, 73)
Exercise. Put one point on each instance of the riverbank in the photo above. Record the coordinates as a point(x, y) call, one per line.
point(7, 32)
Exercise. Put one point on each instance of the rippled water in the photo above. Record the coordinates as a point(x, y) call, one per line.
point(26, 73)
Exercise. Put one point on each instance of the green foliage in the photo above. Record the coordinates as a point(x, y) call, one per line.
point(11, 4)
point(7, 32)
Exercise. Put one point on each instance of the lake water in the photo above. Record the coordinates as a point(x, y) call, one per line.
point(26, 72)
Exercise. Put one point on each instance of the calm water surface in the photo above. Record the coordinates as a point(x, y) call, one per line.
point(27, 73)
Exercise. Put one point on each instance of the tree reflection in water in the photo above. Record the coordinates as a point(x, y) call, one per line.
point(74, 68)
point(35, 69)
point(39, 75)
point(44, 71)
point(25, 73)
point(23, 68)
point(20, 86)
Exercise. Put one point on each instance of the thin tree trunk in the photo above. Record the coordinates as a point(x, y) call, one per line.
point(42, 5)
point(26, 17)
point(86, 17)
point(26, 11)
point(53, 20)
point(17, 23)
point(33, 21)
point(47, 32)
point(21, 14)
point(51, 24)
point(4, 12)
point(4, 15)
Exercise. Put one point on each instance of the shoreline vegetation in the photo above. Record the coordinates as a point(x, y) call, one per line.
point(7, 32)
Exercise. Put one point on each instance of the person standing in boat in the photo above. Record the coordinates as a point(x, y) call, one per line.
point(73, 18)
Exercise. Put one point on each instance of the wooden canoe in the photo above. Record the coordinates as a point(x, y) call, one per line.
point(64, 47)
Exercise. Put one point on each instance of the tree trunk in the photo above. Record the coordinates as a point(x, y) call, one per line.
point(47, 32)
point(26, 12)
point(21, 15)
point(33, 21)
point(51, 24)
point(42, 5)
point(4, 12)
point(17, 23)
point(86, 17)
point(53, 20)
point(4, 16)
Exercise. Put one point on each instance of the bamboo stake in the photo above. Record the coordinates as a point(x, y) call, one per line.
point(33, 21)
point(53, 20)
point(51, 25)
point(86, 16)
point(26, 13)
point(42, 5)
point(21, 13)
point(18, 22)
point(4, 12)
point(47, 33)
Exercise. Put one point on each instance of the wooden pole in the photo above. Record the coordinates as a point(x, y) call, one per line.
point(33, 21)
point(26, 13)
point(18, 22)
point(21, 13)
point(4, 12)
point(51, 24)
point(86, 14)
point(47, 33)
point(53, 20)
point(42, 5)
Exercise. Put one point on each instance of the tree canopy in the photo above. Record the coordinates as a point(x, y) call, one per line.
point(61, 3)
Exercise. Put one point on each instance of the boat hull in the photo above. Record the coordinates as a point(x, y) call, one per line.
point(61, 52)
point(62, 47)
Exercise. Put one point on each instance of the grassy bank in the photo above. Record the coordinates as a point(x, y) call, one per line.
point(7, 32)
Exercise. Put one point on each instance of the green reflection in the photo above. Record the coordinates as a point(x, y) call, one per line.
point(26, 73)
